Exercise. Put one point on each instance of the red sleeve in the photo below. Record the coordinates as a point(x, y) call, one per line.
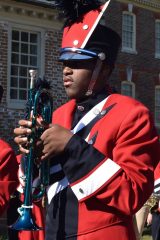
point(157, 172)
point(137, 152)
point(8, 174)
point(157, 181)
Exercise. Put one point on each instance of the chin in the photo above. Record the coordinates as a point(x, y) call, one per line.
point(71, 94)
point(74, 95)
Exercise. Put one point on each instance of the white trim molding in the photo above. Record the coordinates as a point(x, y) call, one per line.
point(149, 4)
point(39, 16)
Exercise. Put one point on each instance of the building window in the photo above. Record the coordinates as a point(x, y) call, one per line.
point(25, 55)
point(157, 39)
point(128, 88)
point(157, 106)
point(128, 32)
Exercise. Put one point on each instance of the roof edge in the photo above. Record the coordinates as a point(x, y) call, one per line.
point(38, 3)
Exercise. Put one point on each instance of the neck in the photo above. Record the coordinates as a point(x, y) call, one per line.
point(103, 90)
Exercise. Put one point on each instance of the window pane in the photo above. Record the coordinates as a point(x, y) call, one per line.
point(157, 38)
point(14, 82)
point(15, 35)
point(24, 48)
point(23, 71)
point(14, 70)
point(24, 56)
point(13, 94)
point(24, 59)
point(126, 89)
point(157, 97)
point(22, 95)
point(15, 47)
point(157, 116)
point(23, 83)
point(157, 106)
point(15, 58)
point(33, 61)
point(128, 31)
point(33, 49)
point(24, 36)
point(33, 38)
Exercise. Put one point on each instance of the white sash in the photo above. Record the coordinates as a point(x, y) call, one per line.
point(63, 183)
point(89, 116)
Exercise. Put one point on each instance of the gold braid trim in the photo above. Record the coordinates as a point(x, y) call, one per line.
point(152, 203)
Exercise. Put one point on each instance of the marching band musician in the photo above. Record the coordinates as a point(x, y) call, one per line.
point(155, 220)
point(102, 147)
point(8, 171)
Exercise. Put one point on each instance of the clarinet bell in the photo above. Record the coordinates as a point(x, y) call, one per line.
point(25, 222)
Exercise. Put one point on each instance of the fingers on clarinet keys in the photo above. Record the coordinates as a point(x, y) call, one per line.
point(23, 149)
point(25, 130)
point(25, 123)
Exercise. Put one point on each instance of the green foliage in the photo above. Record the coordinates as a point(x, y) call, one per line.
point(3, 237)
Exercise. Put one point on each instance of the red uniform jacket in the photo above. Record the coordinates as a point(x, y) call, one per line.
point(109, 191)
point(8, 174)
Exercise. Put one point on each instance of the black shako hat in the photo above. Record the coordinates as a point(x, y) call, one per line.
point(104, 40)
point(85, 38)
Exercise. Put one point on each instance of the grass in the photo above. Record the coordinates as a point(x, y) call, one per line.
point(147, 233)
point(146, 237)
point(3, 238)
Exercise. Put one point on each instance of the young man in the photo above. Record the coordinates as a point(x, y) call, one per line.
point(8, 171)
point(102, 147)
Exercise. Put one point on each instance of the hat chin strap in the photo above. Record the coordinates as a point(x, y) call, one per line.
point(94, 77)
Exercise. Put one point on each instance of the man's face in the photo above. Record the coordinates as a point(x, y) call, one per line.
point(76, 77)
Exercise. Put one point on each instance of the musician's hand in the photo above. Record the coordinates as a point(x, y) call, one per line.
point(21, 134)
point(149, 219)
point(54, 140)
point(23, 131)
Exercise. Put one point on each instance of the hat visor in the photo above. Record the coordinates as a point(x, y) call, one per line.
point(70, 56)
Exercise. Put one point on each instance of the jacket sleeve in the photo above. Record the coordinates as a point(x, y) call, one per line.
point(125, 181)
point(8, 175)
point(157, 181)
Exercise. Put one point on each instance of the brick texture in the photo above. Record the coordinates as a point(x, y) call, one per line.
point(145, 66)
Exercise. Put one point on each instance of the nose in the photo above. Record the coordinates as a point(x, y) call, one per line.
point(67, 70)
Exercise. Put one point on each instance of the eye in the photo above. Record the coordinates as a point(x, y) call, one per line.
point(79, 64)
point(71, 64)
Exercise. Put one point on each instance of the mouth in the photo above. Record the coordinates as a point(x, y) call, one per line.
point(67, 81)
